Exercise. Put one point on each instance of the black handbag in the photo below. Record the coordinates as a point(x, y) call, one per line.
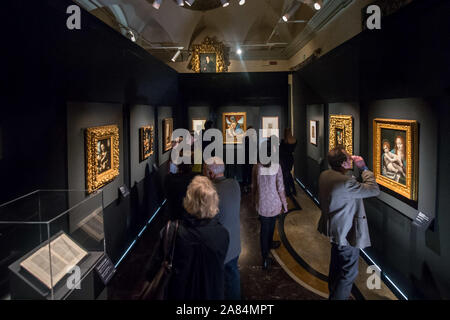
point(157, 288)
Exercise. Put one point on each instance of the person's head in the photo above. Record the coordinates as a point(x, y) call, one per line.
point(208, 124)
point(102, 147)
point(399, 144)
point(214, 168)
point(201, 199)
point(339, 159)
point(207, 59)
point(386, 146)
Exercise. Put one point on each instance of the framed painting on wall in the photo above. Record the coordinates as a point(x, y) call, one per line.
point(341, 132)
point(167, 125)
point(145, 142)
point(207, 62)
point(102, 156)
point(270, 127)
point(198, 125)
point(395, 155)
point(313, 132)
point(234, 125)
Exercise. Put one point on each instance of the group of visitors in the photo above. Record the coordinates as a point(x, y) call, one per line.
point(207, 245)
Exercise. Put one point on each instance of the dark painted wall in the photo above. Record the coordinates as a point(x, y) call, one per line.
point(258, 94)
point(107, 78)
point(398, 72)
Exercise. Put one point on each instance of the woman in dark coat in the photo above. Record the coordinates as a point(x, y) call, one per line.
point(200, 247)
point(287, 148)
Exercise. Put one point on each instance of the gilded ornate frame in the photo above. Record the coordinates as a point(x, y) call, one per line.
point(345, 123)
point(210, 45)
point(167, 122)
point(94, 180)
point(412, 157)
point(142, 155)
point(224, 115)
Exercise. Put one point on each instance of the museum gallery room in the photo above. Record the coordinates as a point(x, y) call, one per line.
point(225, 150)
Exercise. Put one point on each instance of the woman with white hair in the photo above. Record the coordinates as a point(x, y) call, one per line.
point(201, 244)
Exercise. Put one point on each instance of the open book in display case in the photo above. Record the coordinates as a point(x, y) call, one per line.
point(55, 239)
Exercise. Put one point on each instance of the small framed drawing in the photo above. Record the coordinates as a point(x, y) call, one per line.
point(270, 127)
point(167, 125)
point(313, 131)
point(198, 125)
point(102, 156)
point(145, 142)
point(395, 155)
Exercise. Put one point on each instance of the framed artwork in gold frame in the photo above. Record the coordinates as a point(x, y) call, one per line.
point(395, 155)
point(234, 126)
point(167, 126)
point(102, 156)
point(209, 56)
point(146, 142)
point(341, 132)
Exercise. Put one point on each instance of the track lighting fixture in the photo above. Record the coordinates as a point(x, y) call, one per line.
point(291, 11)
point(317, 6)
point(157, 4)
point(190, 2)
point(180, 3)
point(225, 3)
point(176, 55)
point(241, 2)
point(239, 51)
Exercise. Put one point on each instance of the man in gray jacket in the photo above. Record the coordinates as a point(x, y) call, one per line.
point(229, 216)
point(343, 218)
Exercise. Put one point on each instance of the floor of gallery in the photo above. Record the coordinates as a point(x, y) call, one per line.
point(299, 270)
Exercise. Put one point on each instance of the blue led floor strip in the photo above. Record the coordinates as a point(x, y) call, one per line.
point(140, 233)
point(365, 254)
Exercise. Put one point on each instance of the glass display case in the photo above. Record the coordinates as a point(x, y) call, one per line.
point(50, 243)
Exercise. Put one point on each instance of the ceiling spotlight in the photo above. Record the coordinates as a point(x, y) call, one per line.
point(225, 3)
point(176, 55)
point(180, 3)
point(291, 12)
point(189, 2)
point(239, 51)
point(241, 2)
point(157, 4)
point(317, 6)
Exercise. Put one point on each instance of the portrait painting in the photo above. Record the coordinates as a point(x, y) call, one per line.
point(145, 142)
point(167, 134)
point(207, 62)
point(270, 127)
point(341, 132)
point(234, 125)
point(313, 132)
point(102, 156)
point(396, 155)
point(198, 125)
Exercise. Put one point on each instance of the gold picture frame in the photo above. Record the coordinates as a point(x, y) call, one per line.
point(102, 156)
point(395, 155)
point(146, 139)
point(341, 132)
point(234, 126)
point(212, 48)
point(167, 126)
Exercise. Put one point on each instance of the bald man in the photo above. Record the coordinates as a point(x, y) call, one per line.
point(229, 216)
point(343, 217)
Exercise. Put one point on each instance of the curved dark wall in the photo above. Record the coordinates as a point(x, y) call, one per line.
point(400, 72)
